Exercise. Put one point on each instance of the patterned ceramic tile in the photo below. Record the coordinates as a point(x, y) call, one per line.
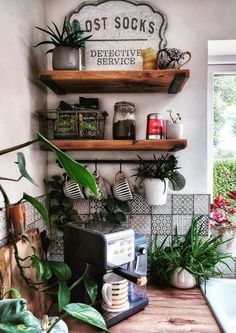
point(29, 213)
point(141, 224)
point(139, 205)
point(182, 222)
point(163, 209)
point(201, 203)
point(205, 225)
point(159, 239)
point(57, 257)
point(161, 224)
point(95, 206)
point(82, 206)
point(182, 204)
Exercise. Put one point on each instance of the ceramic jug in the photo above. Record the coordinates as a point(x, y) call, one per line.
point(172, 58)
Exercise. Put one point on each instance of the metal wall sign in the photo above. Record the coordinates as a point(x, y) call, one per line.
point(120, 29)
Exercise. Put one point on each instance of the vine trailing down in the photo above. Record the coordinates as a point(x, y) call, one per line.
point(47, 269)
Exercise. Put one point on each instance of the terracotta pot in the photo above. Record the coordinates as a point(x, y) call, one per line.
point(18, 218)
point(182, 279)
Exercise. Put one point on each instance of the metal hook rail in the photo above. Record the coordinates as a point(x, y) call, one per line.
point(110, 161)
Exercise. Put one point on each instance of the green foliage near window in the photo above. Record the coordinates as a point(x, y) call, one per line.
point(224, 174)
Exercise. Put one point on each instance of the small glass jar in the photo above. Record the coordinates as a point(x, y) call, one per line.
point(124, 121)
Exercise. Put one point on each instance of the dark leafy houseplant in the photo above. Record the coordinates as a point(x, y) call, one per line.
point(70, 36)
point(192, 252)
point(114, 211)
point(46, 269)
point(164, 167)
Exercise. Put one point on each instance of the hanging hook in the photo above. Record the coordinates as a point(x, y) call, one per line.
point(120, 165)
point(96, 166)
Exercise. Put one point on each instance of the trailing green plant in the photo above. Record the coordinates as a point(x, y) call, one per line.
point(47, 270)
point(174, 118)
point(164, 167)
point(192, 252)
point(70, 36)
point(61, 208)
point(114, 211)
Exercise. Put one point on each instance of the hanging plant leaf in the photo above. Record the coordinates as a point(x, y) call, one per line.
point(91, 289)
point(22, 167)
point(74, 170)
point(60, 269)
point(14, 293)
point(87, 314)
point(39, 207)
point(63, 295)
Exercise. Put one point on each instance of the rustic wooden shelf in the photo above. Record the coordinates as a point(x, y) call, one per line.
point(165, 81)
point(121, 145)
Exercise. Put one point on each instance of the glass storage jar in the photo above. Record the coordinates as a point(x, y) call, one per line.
point(124, 121)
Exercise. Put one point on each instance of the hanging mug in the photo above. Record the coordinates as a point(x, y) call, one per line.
point(172, 58)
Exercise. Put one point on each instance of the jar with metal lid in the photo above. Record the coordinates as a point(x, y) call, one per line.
point(124, 121)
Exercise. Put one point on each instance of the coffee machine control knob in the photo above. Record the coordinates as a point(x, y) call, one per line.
point(142, 250)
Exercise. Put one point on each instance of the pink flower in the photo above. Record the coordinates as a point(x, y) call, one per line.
point(223, 211)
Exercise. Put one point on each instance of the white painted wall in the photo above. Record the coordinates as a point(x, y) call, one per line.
point(20, 91)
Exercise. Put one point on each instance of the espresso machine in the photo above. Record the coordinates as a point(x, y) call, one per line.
point(106, 248)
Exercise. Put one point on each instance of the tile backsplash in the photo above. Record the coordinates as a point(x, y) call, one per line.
point(155, 222)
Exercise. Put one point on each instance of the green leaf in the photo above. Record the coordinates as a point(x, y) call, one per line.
point(47, 273)
point(120, 217)
point(39, 207)
point(87, 314)
point(63, 295)
point(74, 170)
point(36, 263)
point(14, 293)
point(22, 167)
point(60, 269)
point(91, 288)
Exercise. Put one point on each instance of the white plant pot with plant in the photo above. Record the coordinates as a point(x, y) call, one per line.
point(156, 191)
point(182, 279)
point(68, 52)
point(223, 222)
point(174, 128)
point(158, 176)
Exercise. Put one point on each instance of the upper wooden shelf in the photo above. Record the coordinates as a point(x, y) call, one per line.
point(166, 81)
point(125, 145)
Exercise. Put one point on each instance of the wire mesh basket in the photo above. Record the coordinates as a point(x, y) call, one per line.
point(72, 124)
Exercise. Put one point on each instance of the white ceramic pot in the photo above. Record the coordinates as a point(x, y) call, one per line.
point(228, 236)
point(156, 191)
point(182, 279)
point(174, 131)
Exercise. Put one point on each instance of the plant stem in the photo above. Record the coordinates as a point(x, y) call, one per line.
point(11, 179)
point(80, 279)
point(56, 321)
point(25, 144)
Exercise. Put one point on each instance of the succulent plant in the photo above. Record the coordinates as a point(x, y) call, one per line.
point(70, 36)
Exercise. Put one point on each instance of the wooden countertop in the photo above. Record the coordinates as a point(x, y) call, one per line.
point(169, 310)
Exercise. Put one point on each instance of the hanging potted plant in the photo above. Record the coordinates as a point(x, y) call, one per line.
point(188, 259)
point(68, 50)
point(157, 176)
point(174, 127)
point(223, 222)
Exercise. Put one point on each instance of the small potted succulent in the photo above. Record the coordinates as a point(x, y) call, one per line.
point(68, 45)
point(223, 222)
point(174, 127)
point(157, 176)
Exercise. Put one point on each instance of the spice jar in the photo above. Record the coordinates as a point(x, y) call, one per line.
point(124, 121)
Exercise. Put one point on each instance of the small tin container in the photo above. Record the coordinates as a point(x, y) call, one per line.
point(155, 126)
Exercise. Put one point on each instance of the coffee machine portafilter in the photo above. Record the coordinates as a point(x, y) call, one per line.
point(105, 249)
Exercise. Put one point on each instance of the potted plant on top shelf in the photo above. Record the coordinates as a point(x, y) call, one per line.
point(223, 222)
point(187, 260)
point(174, 127)
point(69, 46)
point(157, 176)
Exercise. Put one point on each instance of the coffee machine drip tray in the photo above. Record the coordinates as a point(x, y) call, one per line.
point(114, 318)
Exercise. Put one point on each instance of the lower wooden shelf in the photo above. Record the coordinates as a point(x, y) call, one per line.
point(121, 145)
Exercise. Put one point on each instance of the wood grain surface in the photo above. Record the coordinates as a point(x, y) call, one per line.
point(169, 311)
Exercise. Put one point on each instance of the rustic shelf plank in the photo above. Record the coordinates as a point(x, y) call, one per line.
point(121, 145)
point(67, 81)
